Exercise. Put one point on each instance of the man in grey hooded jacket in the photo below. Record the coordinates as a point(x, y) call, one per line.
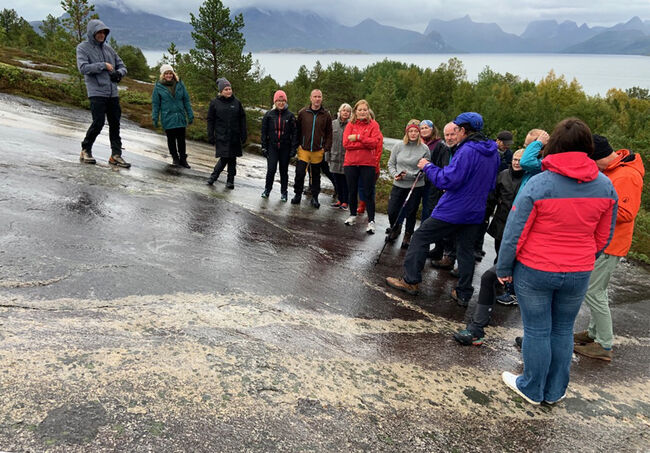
point(102, 69)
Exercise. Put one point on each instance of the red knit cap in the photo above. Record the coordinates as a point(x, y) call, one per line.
point(279, 95)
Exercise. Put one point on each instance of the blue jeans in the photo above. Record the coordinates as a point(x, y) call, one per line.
point(549, 303)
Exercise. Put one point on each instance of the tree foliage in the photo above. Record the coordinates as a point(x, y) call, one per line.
point(17, 32)
point(219, 45)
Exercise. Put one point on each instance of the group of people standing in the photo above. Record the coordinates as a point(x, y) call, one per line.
point(565, 204)
point(562, 208)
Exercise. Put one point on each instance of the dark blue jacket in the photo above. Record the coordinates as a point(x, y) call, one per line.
point(467, 180)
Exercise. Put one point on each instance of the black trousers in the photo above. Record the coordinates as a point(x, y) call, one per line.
point(366, 175)
point(325, 168)
point(176, 143)
point(396, 201)
point(433, 230)
point(301, 171)
point(101, 109)
point(231, 162)
point(341, 187)
point(477, 315)
point(277, 157)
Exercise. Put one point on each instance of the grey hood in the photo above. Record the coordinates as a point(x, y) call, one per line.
point(93, 27)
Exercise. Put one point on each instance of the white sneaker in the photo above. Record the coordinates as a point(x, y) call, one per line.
point(550, 403)
point(351, 220)
point(371, 227)
point(511, 381)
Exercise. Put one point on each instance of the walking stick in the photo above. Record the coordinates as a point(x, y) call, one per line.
point(399, 215)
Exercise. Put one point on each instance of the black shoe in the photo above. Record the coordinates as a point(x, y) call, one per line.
point(314, 202)
point(519, 341)
point(210, 181)
point(454, 273)
point(265, 194)
point(296, 199)
point(176, 162)
point(230, 185)
point(283, 197)
point(184, 164)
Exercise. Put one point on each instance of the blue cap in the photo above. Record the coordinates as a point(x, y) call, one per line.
point(472, 118)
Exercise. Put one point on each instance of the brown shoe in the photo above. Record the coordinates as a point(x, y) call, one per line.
point(593, 350)
point(86, 157)
point(444, 263)
point(582, 337)
point(117, 160)
point(399, 283)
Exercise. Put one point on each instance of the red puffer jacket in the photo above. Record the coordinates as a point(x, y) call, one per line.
point(363, 150)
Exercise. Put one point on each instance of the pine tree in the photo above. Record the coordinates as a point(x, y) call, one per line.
point(219, 44)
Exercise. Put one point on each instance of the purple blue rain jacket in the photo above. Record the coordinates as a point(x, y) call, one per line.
point(467, 180)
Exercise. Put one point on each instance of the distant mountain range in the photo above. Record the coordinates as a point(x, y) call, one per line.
point(267, 30)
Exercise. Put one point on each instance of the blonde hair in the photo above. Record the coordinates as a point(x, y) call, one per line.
point(406, 134)
point(163, 74)
point(353, 118)
point(520, 152)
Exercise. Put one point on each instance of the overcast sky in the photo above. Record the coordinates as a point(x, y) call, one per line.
point(511, 15)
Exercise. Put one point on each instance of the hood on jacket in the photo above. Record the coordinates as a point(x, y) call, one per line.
point(93, 27)
point(575, 164)
point(480, 144)
point(628, 159)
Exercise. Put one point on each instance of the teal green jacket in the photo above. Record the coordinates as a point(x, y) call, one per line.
point(175, 112)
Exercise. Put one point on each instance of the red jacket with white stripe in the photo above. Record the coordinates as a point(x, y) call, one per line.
point(561, 219)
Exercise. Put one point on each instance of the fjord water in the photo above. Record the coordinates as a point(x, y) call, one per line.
point(596, 73)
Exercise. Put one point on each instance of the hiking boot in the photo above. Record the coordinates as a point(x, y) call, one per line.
point(467, 338)
point(371, 227)
point(511, 381)
point(507, 299)
point(175, 162)
point(394, 234)
point(478, 255)
point(183, 163)
point(406, 241)
point(314, 202)
point(351, 220)
point(519, 341)
point(462, 302)
point(296, 199)
point(444, 263)
point(454, 273)
point(117, 160)
point(582, 337)
point(265, 194)
point(284, 197)
point(399, 283)
point(230, 185)
point(336, 205)
point(86, 157)
point(361, 209)
point(210, 181)
point(593, 350)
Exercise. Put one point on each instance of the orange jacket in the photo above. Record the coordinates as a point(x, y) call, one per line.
point(626, 173)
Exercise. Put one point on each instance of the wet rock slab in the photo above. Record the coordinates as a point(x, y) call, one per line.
point(141, 310)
